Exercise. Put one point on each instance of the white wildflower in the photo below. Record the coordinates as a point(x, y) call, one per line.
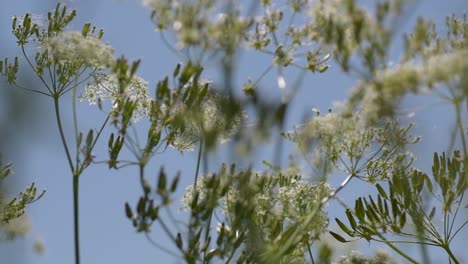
point(190, 192)
point(209, 117)
point(17, 227)
point(73, 47)
point(300, 200)
point(105, 87)
point(444, 67)
point(379, 98)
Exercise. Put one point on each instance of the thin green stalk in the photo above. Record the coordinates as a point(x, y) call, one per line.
point(457, 104)
point(462, 134)
point(207, 233)
point(31, 90)
point(62, 134)
point(423, 248)
point(450, 253)
point(198, 164)
point(75, 180)
point(76, 218)
point(310, 253)
point(397, 250)
point(34, 69)
point(75, 127)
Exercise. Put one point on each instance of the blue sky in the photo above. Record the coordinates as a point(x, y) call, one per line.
point(106, 235)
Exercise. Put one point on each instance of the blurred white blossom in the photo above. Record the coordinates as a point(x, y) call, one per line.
point(210, 117)
point(106, 87)
point(445, 67)
point(73, 47)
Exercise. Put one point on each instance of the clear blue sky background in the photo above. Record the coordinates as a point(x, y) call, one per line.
point(106, 235)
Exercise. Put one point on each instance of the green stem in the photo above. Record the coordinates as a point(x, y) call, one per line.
point(198, 164)
point(450, 253)
point(310, 253)
point(62, 134)
point(397, 250)
point(34, 69)
point(75, 180)
point(462, 134)
point(207, 233)
point(76, 218)
point(75, 128)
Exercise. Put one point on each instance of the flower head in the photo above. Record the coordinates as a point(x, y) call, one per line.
point(213, 118)
point(107, 87)
point(73, 47)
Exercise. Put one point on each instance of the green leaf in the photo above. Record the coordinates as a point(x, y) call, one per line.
point(162, 181)
point(175, 182)
point(179, 241)
point(85, 29)
point(154, 213)
point(395, 208)
point(359, 209)
point(128, 211)
point(344, 227)
point(371, 215)
point(176, 70)
point(89, 139)
point(212, 253)
point(351, 219)
point(141, 205)
point(381, 191)
point(428, 182)
point(134, 67)
point(402, 220)
point(338, 237)
point(432, 213)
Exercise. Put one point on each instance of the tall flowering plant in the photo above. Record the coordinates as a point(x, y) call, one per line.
point(278, 214)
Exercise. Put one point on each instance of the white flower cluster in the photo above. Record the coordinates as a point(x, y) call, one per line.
point(445, 67)
point(201, 190)
point(380, 257)
point(337, 13)
point(293, 202)
point(107, 87)
point(299, 199)
point(381, 96)
point(72, 46)
point(330, 136)
point(207, 118)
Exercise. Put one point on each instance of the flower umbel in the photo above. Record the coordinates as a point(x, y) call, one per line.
point(73, 47)
point(107, 87)
point(216, 117)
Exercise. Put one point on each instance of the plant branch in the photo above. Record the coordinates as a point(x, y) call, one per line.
point(396, 249)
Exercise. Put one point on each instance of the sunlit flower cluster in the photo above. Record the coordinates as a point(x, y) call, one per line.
point(299, 200)
point(336, 14)
point(211, 117)
point(73, 47)
point(17, 227)
point(107, 87)
point(445, 67)
point(190, 192)
point(295, 202)
point(381, 96)
point(190, 20)
point(380, 257)
point(334, 134)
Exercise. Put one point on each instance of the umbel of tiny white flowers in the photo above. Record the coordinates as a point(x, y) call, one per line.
point(208, 119)
point(73, 46)
point(106, 87)
point(292, 201)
